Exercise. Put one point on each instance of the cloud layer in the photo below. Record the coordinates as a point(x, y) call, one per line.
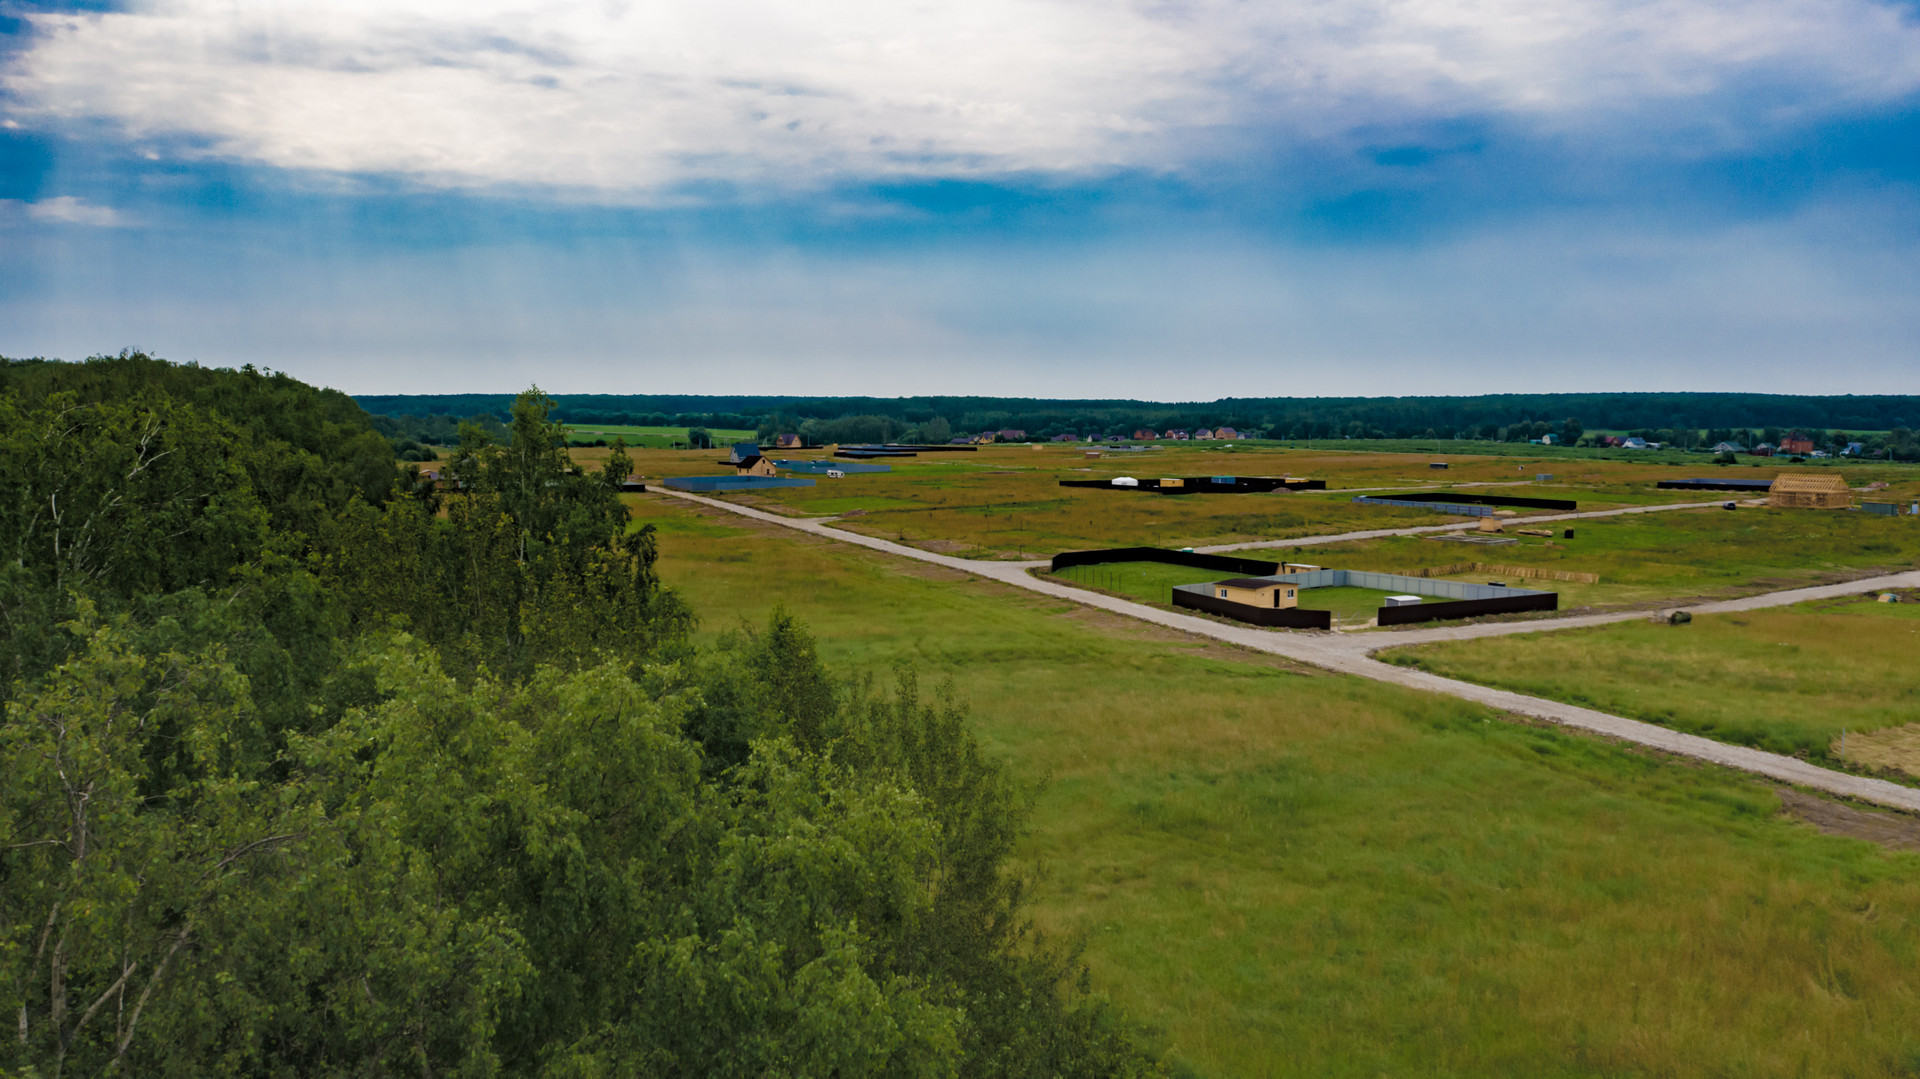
point(622, 99)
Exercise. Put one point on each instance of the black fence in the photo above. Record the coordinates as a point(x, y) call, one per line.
point(867, 455)
point(1246, 567)
point(1467, 608)
point(1708, 483)
point(1209, 485)
point(1284, 617)
point(1466, 498)
point(910, 448)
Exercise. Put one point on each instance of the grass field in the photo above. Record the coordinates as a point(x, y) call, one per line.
point(1148, 582)
point(658, 438)
point(1005, 501)
point(1283, 872)
point(1787, 679)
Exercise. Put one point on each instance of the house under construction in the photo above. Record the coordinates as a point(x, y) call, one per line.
point(1805, 490)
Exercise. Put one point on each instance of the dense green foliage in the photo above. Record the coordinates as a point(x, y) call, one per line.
point(311, 774)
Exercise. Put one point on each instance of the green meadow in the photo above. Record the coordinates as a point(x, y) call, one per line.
point(1007, 502)
point(1279, 871)
point(1786, 679)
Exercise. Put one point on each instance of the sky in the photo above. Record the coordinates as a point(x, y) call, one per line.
point(1159, 200)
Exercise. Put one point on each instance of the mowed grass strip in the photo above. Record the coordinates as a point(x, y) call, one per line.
point(1148, 582)
point(1788, 679)
point(1284, 872)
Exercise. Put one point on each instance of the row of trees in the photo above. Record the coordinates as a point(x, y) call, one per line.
point(1326, 417)
point(310, 771)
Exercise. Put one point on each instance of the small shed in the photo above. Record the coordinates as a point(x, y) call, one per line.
point(1807, 490)
point(1258, 592)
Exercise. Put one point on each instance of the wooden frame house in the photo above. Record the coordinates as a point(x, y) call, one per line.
point(1802, 490)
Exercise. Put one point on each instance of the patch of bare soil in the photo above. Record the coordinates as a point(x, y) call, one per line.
point(940, 546)
point(1894, 831)
point(1897, 748)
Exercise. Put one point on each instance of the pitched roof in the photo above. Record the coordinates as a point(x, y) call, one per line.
point(1809, 483)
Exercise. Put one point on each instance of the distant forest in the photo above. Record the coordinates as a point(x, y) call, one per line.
point(1683, 419)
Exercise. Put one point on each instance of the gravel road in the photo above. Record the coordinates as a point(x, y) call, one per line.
point(1352, 653)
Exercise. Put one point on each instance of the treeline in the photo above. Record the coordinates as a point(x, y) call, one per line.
point(1278, 417)
point(316, 768)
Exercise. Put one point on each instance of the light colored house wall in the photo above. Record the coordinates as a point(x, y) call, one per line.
point(1273, 595)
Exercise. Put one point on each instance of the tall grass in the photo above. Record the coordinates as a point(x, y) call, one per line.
point(1285, 872)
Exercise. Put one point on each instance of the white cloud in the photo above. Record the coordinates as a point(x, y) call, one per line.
point(68, 210)
point(620, 96)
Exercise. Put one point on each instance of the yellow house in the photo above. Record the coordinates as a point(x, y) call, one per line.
point(754, 466)
point(1255, 592)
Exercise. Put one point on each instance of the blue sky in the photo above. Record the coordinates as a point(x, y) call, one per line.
point(1050, 197)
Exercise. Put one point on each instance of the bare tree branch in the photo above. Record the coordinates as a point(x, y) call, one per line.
point(133, 1023)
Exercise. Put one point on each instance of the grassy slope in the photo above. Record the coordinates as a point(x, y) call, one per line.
point(1285, 872)
point(1787, 679)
